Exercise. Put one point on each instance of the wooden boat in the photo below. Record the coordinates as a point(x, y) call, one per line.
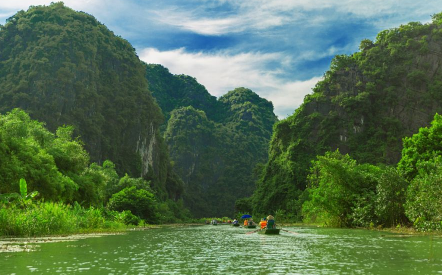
point(250, 226)
point(269, 231)
point(235, 224)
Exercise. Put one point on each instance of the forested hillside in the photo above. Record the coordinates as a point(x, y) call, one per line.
point(366, 103)
point(66, 68)
point(215, 144)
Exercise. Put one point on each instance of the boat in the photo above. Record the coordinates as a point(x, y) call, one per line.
point(269, 231)
point(235, 224)
point(250, 226)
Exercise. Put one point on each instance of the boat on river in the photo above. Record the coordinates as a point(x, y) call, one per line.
point(250, 226)
point(235, 224)
point(269, 231)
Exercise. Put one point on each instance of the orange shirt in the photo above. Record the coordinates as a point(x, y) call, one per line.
point(263, 224)
point(246, 223)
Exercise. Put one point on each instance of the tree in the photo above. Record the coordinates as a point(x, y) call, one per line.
point(341, 192)
point(421, 147)
point(424, 204)
point(140, 202)
point(391, 197)
point(24, 154)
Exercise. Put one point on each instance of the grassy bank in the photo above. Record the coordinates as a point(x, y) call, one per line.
point(49, 218)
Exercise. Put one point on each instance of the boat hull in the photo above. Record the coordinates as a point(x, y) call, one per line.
point(250, 226)
point(269, 231)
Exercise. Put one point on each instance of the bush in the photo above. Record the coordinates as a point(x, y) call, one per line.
point(140, 202)
point(424, 204)
point(390, 198)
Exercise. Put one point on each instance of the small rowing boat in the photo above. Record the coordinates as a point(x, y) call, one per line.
point(269, 231)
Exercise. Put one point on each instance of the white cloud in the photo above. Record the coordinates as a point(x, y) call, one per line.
point(245, 19)
point(221, 72)
point(264, 14)
point(287, 97)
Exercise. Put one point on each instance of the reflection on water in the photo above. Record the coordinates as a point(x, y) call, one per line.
point(224, 249)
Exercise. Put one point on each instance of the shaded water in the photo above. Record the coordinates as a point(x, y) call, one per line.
point(224, 249)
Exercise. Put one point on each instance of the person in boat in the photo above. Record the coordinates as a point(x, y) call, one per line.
point(235, 221)
point(246, 222)
point(271, 222)
point(214, 222)
point(251, 222)
point(263, 223)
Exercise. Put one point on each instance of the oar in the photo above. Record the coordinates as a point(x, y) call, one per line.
point(253, 231)
point(294, 233)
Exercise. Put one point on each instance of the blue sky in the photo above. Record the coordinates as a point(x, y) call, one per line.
point(280, 49)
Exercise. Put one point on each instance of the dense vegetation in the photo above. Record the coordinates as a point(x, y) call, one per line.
point(215, 145)
point(342, 192)
point(66, 68)
point(364, 106)
point(73, 193)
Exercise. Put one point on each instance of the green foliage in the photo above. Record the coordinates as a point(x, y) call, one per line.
point(424, 205)
point(50, 218)
point(366, 103)
point(129, 219)
point(175, 91)
point(66, 68)
point(390, 198)
point(26, 154)
point(421, 147)
point(94, 184)
point(243, 205)
point(140, 202)
point(339, 191)
point(23, 188)
point(343, 193)
point(214, 145)
point(21, 199)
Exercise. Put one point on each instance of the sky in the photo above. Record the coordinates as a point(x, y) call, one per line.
point(278, 48)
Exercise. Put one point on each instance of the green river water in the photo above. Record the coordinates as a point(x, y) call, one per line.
point(225, 249)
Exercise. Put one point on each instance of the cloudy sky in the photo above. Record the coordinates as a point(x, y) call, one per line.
point(277, 48)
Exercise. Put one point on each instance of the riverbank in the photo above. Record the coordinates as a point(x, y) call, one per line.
point(55, 219)
point(399, 230)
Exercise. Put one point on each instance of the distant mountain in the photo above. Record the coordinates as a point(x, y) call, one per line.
point(214, 144)
point(65, 67)
point(173, 91)
point(365, 105)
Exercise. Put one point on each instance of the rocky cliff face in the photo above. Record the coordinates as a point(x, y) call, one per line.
point(365, 105)
point(64, 67)
point(214, 144)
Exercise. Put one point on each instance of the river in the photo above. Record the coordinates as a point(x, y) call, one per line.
point(224, 249)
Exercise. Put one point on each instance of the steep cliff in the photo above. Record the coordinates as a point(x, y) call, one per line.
point(365, 105)
point(64, 67)
point(214, 144)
